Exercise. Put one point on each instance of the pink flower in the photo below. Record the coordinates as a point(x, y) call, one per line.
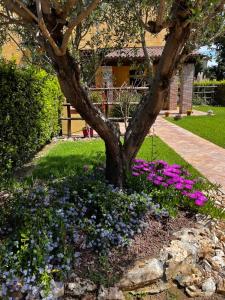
point(199, 202)
point(157, 182)
point(179, 186)
point(188, 187)
point(135, 174)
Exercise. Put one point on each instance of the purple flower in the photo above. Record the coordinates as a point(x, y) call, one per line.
point(175, 166)
point(157, 182)
point(138, 160)
point(179, 186)
point(170, 181)
point(146, 169)
point(135, 174)
point(188, 181)
point(188, 187)
point(199, 202)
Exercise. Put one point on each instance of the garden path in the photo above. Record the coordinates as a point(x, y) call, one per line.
point(206, 157)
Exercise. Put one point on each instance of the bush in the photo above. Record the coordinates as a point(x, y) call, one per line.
point(199, 101)
point(125, 106)
point(209, 82)
point(30, 104)
point(96, 97)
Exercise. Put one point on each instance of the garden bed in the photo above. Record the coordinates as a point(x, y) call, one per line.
point(56, 225)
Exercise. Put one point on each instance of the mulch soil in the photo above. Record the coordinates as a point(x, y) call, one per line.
point(158, 233)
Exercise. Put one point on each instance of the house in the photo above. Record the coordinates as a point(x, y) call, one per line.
point(126, 67)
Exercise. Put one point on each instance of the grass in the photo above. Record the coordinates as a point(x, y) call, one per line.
point(210, 128)
point(65, 157)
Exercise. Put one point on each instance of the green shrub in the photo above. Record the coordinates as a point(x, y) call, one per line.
point(96, 96)
point(30, 103)
point(125, 106)
point(209, 82)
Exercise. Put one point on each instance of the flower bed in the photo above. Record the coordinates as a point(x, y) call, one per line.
point(160, 173)
point(43, 228)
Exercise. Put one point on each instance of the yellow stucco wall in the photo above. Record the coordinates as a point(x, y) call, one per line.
point(76, 125)
point(121, 75)
point(151, 40)
point(10, 50)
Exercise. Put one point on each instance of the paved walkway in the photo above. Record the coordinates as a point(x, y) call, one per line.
point(206, 157)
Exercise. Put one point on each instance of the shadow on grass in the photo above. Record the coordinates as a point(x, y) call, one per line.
point(62, 166)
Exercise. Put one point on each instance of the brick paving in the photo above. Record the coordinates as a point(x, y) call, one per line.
point(206, 157)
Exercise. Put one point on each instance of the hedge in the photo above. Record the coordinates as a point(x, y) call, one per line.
point(219, 98)
point(30, 104)
point(209, 82)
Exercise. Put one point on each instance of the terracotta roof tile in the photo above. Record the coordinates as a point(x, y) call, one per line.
point(138, 53)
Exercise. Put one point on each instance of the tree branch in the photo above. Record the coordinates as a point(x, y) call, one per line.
point(46, 6)
point(68, 6)
point(161, 13)
point(218, 8)
point(57, 6)
point(75, 21)
point(44, 29)
point(21, 9)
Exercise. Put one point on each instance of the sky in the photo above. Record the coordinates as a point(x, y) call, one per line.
point(211, 52)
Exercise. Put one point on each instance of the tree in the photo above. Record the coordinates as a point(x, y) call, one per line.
point(52, 23)
point(218, 71)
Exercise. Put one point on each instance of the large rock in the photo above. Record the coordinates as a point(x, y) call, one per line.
point(221, 286)
point(218, 262)
point(80, 287)
point(194, 291)
point(209, 287)
point(57, 289)
point(142, 274)
point(154, 288)
point(188, 276)
point(113, 293)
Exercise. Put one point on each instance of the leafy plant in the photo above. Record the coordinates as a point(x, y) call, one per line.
point(29, 113)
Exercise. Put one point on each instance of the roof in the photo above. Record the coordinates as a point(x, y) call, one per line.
point(131, 53)
point(137, 53)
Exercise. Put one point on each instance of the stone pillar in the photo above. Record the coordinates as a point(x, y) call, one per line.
point(186, 89)
point(173, 93)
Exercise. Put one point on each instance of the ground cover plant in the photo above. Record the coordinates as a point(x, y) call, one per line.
point(46, 224)
point(210, 128)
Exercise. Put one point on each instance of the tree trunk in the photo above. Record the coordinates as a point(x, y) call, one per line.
point(68, 76)
point(119, 157)
point(116, 168)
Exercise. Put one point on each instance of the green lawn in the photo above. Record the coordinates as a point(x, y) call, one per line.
point(211, 128)
point(65, 157)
